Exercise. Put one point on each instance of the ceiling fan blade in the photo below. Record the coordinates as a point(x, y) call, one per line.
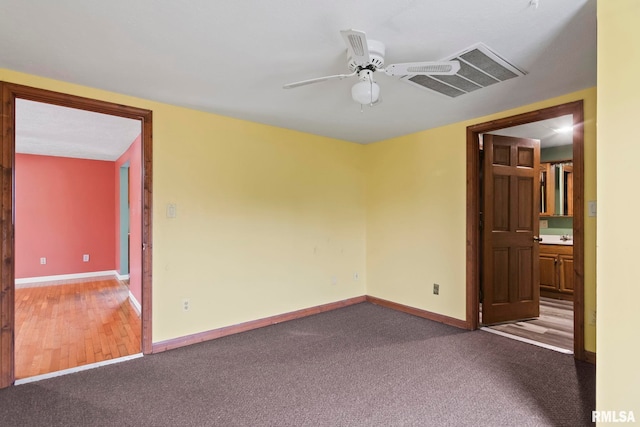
point(357, 47)
point(318, 80)
point(442, 68)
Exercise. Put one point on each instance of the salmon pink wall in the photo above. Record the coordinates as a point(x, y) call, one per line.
point(133, 155)
point(63, 209)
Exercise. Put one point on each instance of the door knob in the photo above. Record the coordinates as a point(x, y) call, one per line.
point(537, 239)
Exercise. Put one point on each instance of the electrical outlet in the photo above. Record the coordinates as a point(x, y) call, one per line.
point(334, 280)
point(185, 304)
point(436, 289)
point(356, 276)
point(43, 260)
point(544, 223)
point(592, 317)
point(85, 258)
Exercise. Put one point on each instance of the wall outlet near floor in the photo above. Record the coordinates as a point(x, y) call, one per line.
point(436, 289)
point(43, 260)
point(356, 276)
point(185, 304)
point(85, 258)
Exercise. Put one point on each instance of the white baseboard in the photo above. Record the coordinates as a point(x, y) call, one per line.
point(76, 369)
point(122, 276)
point(30, 280)
point(528, 341)
point(135, 303)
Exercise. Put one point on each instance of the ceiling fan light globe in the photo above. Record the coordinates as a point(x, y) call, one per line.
point(365, 92)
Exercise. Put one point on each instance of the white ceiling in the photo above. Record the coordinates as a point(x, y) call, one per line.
point(232, 58)
point(69, 132)
point(549, 132)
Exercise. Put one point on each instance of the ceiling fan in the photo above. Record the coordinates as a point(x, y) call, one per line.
point(365, 57)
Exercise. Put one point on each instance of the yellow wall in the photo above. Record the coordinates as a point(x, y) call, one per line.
point(266, 217)
point(618, 375)
point(416, 219)
point(416, 214)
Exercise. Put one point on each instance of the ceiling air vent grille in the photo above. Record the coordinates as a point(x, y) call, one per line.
point(479, 67)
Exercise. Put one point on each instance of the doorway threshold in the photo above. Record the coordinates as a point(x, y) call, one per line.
point(76, 369)
point(528, 341)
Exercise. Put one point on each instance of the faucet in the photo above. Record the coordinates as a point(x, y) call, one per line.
point(565, 237)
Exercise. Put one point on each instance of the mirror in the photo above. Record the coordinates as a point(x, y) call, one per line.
point(556, 189)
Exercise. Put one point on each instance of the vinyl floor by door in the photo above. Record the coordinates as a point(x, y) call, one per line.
point(554, 327)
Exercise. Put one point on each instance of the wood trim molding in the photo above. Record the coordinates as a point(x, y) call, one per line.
point(7, 298)
point(253, 324)
point(590, 357)
point(578, 230)
point(472, 263)
point(420, 313)
point(147, 227)
point(9, 93)
point(576, 109)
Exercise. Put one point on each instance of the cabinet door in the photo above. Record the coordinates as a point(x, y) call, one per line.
point(548, 272)
point(567, 183)
point(566, 273)
point(547, 189)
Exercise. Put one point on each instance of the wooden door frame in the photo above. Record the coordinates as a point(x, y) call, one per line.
point(9, 93)
point(576, 109)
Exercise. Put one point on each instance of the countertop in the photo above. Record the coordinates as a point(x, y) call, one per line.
point(549, 239)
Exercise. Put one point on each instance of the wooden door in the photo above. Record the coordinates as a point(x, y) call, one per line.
point(511, 204)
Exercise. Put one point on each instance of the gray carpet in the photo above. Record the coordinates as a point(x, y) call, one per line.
point(362, 365)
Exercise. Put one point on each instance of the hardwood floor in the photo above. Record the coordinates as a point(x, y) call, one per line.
point(65, 326)
point(553, 328)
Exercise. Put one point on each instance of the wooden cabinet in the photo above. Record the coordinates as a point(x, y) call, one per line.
point(566, 185)
point(556, 271)
point(566, 272)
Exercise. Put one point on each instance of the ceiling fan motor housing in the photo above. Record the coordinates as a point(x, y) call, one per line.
point(376, 55)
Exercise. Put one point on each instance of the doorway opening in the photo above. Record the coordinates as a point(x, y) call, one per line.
point(78, 306)
point(552, 327)
point(125, 229)
point(475, 261)
point(10, 93)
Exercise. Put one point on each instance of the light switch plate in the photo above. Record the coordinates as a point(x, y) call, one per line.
point(171, 210)
point(592, 208)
